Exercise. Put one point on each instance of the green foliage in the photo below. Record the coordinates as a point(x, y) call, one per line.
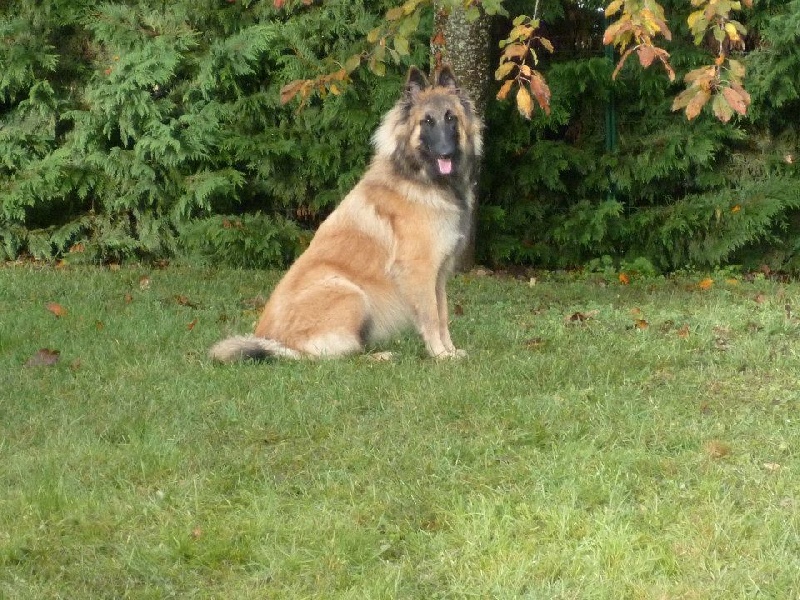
point(674, 192)
point(247, 241)
point(128, 126)
point(121, 122)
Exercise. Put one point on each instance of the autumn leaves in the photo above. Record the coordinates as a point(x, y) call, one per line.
point(638, 23)
point(635, 29)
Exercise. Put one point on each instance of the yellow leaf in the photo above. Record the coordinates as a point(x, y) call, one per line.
point(524, 103)
point(613, 7)
point(515, 50)
point(737, 68)
point(730, 29)
point(503, 70)
point(694, 18)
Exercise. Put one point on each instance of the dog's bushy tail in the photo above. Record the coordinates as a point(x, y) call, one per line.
point(243, 347)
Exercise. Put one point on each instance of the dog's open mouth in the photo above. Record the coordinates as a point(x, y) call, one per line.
point(445, 165)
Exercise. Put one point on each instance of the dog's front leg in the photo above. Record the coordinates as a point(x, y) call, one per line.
point(444, 318)
point(428, 317)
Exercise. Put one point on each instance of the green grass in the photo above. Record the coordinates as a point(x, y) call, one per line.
point(563, 459)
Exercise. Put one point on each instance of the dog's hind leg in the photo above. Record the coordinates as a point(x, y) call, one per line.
point(340, 325)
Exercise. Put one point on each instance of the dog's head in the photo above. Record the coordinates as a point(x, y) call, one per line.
point(432, 133)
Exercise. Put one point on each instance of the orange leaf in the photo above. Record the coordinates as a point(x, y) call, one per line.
point(624, 279)
point(191, 324)
point(56, 309)
point(697, 103)
point(647, 55)
point(504, 89)
point(641, 324)
point(541, 91)
point(291, 89)
point(736, 100)
point(683, 332)
point(706, 284)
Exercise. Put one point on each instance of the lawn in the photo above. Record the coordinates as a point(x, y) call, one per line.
point(602, 441)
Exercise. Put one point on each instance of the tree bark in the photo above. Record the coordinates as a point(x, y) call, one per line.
point(464, 45)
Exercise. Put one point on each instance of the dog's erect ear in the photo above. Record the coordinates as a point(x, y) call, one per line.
point(445, 78)
point(415, 82)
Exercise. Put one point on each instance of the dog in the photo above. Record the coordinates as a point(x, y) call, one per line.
point(381, 260)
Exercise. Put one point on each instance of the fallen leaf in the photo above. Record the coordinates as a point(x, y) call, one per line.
point(44, 357)
point(683, 332)
point(760, 298)
point(579, 317)
point(55, 308)
point(128, 298)
point(184, 301)
point(641, 324)
point(144, 282)
point(771, 466)
point(624, 279)
point(717, 449)
point(191, 324)
point(706, 284)
point(197, 533)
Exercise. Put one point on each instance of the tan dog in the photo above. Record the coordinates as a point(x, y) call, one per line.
point(381, 260)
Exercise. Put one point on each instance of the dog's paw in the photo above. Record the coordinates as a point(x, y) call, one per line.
point(454, 353)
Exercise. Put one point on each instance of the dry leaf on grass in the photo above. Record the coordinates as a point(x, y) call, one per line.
point(580, 317)
point(44, 357)
point(55, 308)
point(717, 449)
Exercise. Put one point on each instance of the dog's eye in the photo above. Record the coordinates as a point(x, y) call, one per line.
point(429, 121)
point(450, 117)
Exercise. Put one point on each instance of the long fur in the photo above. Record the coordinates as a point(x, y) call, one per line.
point(381, 260)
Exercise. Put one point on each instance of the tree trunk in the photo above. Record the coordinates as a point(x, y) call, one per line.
point(464, 45)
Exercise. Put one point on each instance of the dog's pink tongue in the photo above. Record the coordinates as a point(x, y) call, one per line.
point(445, 165)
